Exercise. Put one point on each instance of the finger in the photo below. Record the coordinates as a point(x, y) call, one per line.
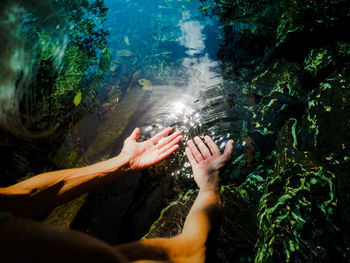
point(196, 154)
point(228, 150)
point(190, 157)
point(201, 146)
point(161, 134)
point(168, 139)
point(170, 144)
point(135, 134)
point(212, 145)
point(168, 152)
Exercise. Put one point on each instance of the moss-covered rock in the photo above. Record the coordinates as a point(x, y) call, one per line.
point(64, 215)
point(255, 31)
point(297, 211)
point(325, 132)
point(323, 60)
point(235, 234)
point(288, 217)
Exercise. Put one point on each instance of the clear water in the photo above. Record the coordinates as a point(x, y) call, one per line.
point(172, 45)
point(241, 78)
point(164, 71)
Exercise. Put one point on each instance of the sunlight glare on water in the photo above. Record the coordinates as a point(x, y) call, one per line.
point(179, 106)
point(169, 48)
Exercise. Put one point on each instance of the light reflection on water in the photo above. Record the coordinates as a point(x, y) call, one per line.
point(184, 107)
point(189, 97)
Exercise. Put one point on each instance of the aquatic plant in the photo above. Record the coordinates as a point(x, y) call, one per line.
point(51, 49)
point(28, 38)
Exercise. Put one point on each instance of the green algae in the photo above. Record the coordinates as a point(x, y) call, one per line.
point(62, 66)
point(289, 205)
point(296, 197)
point(74, 70)
point(237, 223)
point(172, 218)
point(297, 200)
point(326, 58)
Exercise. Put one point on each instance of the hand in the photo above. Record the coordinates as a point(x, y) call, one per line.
point(207, 163)
point(144, 154)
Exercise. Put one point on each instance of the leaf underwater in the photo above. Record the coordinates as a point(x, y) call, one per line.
point(77, 99)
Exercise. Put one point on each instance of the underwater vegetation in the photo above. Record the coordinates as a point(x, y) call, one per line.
point(56, 56)
point(291, 59)
point(285, 195)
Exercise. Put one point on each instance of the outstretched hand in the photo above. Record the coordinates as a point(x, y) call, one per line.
point(206, 162)
point(144, 154)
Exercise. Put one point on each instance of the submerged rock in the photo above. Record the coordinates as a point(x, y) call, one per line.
point(323, 60)
point(100, 149)
point(297, 211)
point(325, 132)
point(235, 235)
point(289, 216)
point(294, 206)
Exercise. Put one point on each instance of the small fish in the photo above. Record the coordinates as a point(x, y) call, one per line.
point(77, 99)
point(163, 53)
point(146, 84)
point(113, 68)
point(126, 40)
point(124, 53)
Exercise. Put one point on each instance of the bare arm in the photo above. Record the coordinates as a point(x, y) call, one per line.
point(189, 246)
point(35, 196)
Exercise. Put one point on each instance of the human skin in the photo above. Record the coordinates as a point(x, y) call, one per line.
point(35, 196)
point(189, 246)
point(26, 240)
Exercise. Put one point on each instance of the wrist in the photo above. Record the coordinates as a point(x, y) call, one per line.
point(210, 187)
point(207, 182)
point(212, 194)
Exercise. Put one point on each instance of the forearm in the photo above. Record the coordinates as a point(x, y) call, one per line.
point(202, 216)
point(189, 246)
point(33, 197)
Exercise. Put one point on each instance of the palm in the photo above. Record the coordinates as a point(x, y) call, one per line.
point(206, 162)
point(147, 153)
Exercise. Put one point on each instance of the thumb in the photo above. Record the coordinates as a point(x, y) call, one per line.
point(228, 150)
point(225, 157)
point(135, 134)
